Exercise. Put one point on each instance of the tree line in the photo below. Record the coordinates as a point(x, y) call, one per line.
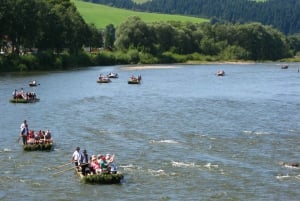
point(282, 14)
point(44, 24)
point(252, 41)
point(59, 38)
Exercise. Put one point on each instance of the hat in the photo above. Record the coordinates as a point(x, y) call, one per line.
point(94, 157)
point(77, 148)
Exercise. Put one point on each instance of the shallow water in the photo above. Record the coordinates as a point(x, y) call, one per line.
point(183, 134)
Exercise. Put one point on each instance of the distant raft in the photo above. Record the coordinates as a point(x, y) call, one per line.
point(220, 73)
point(103, 79)
point(33, 83)
point(38, 147)
point(24, 97)
point(103, 178)
point(39, 141)
point(112, 75)
point(22, 100)
point(135, 80)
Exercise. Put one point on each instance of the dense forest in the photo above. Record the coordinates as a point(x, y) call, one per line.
point(281, 14)
point(52, 35)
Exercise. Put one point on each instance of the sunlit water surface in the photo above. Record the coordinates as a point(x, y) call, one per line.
point(183, 134)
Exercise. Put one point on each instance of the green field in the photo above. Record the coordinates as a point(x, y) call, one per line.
point(101, 15)
point(140, 1)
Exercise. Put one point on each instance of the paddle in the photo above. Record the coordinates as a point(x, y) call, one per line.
point(18, 139)
point(60, 166)
point(57, 173)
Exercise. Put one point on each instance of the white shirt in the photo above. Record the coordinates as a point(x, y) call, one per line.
point(76, 156)
point(22, 126)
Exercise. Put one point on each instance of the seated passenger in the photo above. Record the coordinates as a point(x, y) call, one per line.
point(30, 137)
point(111, 166)
point(95, 165)
point(104, 164)
point(48, 135)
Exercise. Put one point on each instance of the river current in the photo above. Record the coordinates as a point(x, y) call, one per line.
point(182, 134)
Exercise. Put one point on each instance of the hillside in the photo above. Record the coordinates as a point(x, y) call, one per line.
point(101, 15)
point(281, 14)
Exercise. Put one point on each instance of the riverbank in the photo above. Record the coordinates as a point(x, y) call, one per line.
point(46, 61)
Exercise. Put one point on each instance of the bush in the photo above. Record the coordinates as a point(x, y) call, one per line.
point(146, 58)
point(134, 56)
point(30, 61)
point(105, 58)
point(122, 58)
point(234, 53)
point(22, 67)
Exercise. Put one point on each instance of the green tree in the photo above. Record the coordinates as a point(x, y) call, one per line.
point(96, 37)
point(294, 43)
point(20, 22)
point(262, 42)
point(163, 35)
point(134, 33)
point(109, 36)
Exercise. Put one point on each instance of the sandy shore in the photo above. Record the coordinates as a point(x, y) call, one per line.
point(141, 67)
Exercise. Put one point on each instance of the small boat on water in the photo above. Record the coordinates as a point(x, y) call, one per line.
point(103, 79)
point(38, 147)
point(220, 73)
point(33, 83)
point(103, 178)
point(292, 165)
point(41, 141)
point(135, 80)
point(113, 75)
point(24, 100)
point(284, 67)
point(24, 97)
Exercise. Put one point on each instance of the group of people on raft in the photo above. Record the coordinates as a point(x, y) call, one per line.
point(21, 94)
point(31, 137)
point(133, 78)
point(94, 164)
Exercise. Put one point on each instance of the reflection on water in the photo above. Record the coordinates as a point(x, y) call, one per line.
point(183, 134)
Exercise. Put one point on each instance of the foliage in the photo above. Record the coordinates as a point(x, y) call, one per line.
point(103, 178)
point(242, 41)
point(63, 40)
point(46, 25)
point(109, 36)
point(37, 147)
point(102, 15)
point(282, 14)
point(294, 43)
point(147, 58)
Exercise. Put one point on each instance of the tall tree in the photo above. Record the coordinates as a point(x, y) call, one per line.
point(109, 36)
point(134, 33)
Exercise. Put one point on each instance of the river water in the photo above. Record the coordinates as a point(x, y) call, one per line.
point(183, 134)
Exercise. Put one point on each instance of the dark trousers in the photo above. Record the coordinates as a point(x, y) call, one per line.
point(85, 169)
point(76, 164)
point(24, 138)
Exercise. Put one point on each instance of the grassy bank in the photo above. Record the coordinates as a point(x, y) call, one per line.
point(101, 15)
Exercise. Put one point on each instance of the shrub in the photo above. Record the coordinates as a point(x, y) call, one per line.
point(30, 61)
point(105, 58)
point(146, 58)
